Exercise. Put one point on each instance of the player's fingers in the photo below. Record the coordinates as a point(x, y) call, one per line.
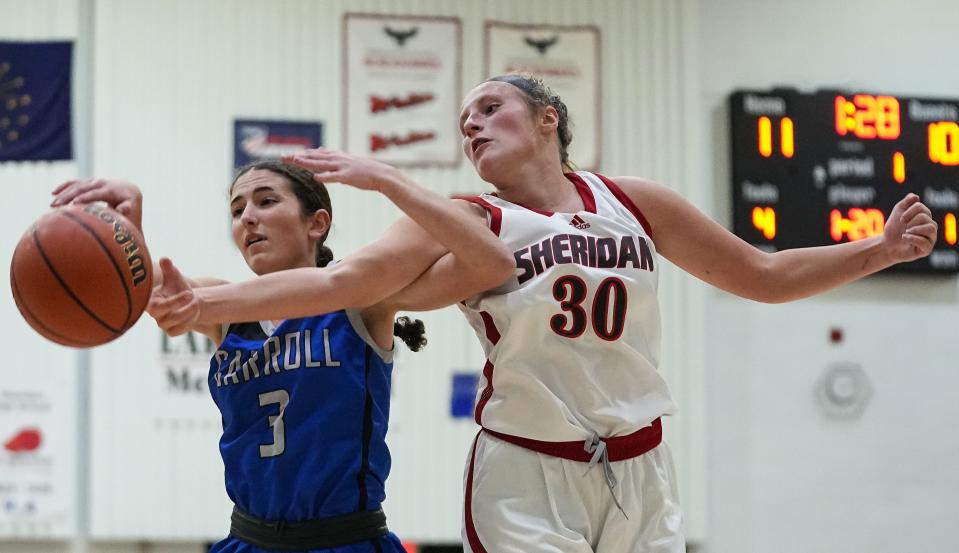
point(316, 165)
point(914, 211)
point(96, 194)
point(64, 193)
point(174, 331)
point(926, 226)
point(166, 267)
point(63, 186)
point(921, 245)
point(331, 177)
point(173, 280)
point(124, 208)
point(160, 307)
point(83, 192)
point(177, 327)
point(903, 204)
point(919, 219)
point(181, 320)
point(315, 153)
point(926, 232)
point(170, 322)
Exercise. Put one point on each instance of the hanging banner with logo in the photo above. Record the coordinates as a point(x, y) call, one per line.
point(256, 140)
point(35, 101)
point(567, 58)
point(402, 88)
point(38, 462)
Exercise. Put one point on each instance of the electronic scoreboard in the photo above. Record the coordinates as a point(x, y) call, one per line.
point(811, 169)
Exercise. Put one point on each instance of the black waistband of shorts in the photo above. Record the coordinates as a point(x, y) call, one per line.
point(325, 533)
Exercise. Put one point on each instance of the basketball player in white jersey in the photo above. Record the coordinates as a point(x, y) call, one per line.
point(569, 458)
point(570, 455)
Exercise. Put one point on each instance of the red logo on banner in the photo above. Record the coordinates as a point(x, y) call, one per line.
point(28, 439)
point(380, 142)
point(378, 104)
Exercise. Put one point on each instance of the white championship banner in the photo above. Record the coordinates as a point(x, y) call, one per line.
point(568, 59)
point(38, 461)
point(402, 88)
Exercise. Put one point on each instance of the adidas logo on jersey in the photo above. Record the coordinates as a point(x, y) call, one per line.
point(578, 222)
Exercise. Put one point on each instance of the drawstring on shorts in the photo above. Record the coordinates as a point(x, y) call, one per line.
point(595, 445)
point(595, 450)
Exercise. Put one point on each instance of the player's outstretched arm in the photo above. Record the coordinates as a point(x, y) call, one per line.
point(126, 199)
point(703, 248)
point(446, 282)
point(467, 237)
point(380, 269)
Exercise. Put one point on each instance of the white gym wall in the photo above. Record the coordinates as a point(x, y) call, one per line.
point(761, 467)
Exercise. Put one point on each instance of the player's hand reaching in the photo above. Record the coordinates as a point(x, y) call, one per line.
point(335, 166)
point(173, 304)
point(910, 232)
point(125, 197)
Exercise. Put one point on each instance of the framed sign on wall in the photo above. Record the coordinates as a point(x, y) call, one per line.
point(402, 88)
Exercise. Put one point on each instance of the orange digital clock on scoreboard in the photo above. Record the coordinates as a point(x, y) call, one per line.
point(827, 167)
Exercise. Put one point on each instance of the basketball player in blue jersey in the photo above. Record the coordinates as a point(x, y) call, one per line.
point(570, 457)
point(305, 400)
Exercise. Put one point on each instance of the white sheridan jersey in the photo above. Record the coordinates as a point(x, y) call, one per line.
point(573, 338)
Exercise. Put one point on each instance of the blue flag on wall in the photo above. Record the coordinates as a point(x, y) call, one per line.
point(35, 101)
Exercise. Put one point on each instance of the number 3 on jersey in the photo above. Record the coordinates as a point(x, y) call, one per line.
point(608, 311)
point(276, 397)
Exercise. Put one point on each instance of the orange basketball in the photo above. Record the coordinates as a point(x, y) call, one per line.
point(81, 275)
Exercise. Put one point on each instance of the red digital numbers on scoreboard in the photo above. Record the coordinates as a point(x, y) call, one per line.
point(944, 142)
point(857, 224)
point(764, 219)
point(786, 137)
point(868, 116)
point(899, 167)
point(825, 167)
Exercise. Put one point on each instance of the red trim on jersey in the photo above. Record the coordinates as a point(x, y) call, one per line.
point(585, 194)
point(495, 213)
point(618, 448)
point(589, 202)
point(487, 392)
point(626, 201)
point(491, 333)
point(475, 544)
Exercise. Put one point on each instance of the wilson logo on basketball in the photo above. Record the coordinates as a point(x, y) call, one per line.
point(27, 439)
point(578, 222)
point(123, 237)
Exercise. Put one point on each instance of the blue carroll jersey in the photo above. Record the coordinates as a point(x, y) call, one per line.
point(305, 410)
